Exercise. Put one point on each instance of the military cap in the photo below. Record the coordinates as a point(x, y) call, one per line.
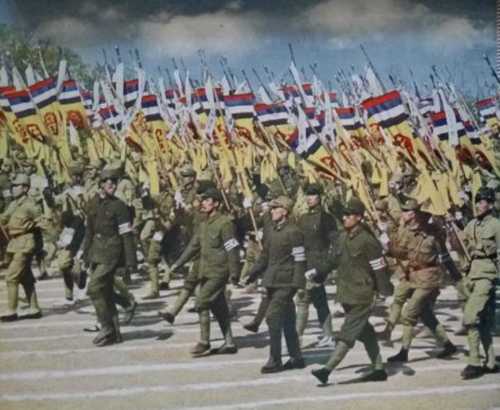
point(282, 202)
point(354, 206)
point(110, 173)
point(381, 205)
point(188, 172)
point(76, 168)
point(313, 189)
point(211, 192)
point(485, 194)
point(21, 179)
point(410, 205)
point(203, 185)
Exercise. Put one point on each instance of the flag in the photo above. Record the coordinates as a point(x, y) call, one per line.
point(240, 106)
point(130, 93)
point(71, 104)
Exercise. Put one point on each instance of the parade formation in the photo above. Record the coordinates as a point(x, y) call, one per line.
point(283, 187)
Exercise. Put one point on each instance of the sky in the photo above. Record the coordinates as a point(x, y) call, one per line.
point(399, 35)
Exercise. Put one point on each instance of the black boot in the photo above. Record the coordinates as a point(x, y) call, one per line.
point(448, 350)
point(472, 372)
point(402, 356)
point(321, 374)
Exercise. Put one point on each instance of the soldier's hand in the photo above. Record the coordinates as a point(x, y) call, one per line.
point(250, 279)
point(311, 274)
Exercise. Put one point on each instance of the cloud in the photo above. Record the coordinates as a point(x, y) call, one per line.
point(347, 23)
point(219, 32)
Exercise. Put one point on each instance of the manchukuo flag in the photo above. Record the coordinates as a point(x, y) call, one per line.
point(87, 103)
point(111, 117)
point(387, 110)
point(348, 118)
point(271, 114)
point(441, 127)
point(240, 105)
point(71, 104)
point(156, 125)
point(130, 92)
point(488, 111)
point(44, 92)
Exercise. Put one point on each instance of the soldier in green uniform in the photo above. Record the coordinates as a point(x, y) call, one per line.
point(109, 244)
point(482, 239)
point(20, 220)
point(215, 243)
point(282, 264)
point(361, 274)
point(421, 248)
point(319, 229)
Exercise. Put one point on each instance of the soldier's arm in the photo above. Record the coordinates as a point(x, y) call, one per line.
point(232, 248)
point(192, 249)
point(126, 232)
point(259, 266)
point(299, 259)
point(378, 267)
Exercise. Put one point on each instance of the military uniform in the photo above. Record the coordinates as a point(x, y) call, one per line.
point(282, 265)
point(109, 244)
point(318, 228)
point(421, 248)
point(482, 239)
point(20, 220)
point(361, 274)
point(215, 243)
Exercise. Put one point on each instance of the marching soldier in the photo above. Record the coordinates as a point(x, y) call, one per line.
point(421, 248)
point(319, 229)
point(109, 244)
point(282, 264)
point(20, 220)
point(361, 274)
point(482, 238)
point(215, 243)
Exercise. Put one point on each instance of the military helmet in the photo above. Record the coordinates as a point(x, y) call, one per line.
point(410, 205)
point(354, 206)
point(188, 171)
point(485, 194)
point(21, 179)
point(282, 202)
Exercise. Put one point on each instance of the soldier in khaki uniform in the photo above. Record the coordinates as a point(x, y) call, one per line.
point(109, 244)
point(319, 229)
point(20, 220)
point(215, 243)
point(482, 239)
point(421, 248)
point(361, 274)
point(282, 264)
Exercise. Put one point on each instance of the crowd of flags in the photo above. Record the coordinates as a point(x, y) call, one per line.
point(331, 131)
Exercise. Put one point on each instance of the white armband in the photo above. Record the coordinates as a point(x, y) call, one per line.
point(299, 254)
point(158, 236)
point(66, 237)
point(124, 228)
point(377, 264)
point(230, 244)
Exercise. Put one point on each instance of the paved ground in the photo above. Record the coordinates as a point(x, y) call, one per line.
point(51, 364)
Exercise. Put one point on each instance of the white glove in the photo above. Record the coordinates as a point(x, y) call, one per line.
point(79, 254)
point(458, 216)
point(384, 239)
point(179, 200)
point(310, 274)
point(247, 203)
point(259, 235)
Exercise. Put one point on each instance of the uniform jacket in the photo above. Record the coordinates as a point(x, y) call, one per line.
point(482, 239)
point(109, 238)
point(20, 219)
point(215, 244)
point(361, 267)
point(282, 262)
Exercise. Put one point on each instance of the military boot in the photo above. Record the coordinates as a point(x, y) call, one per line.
point(401, 357)
point(321, 374)
point(472, 372)
point(449, 349)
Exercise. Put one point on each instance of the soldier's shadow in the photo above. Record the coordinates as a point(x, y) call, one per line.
point(147, 334)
